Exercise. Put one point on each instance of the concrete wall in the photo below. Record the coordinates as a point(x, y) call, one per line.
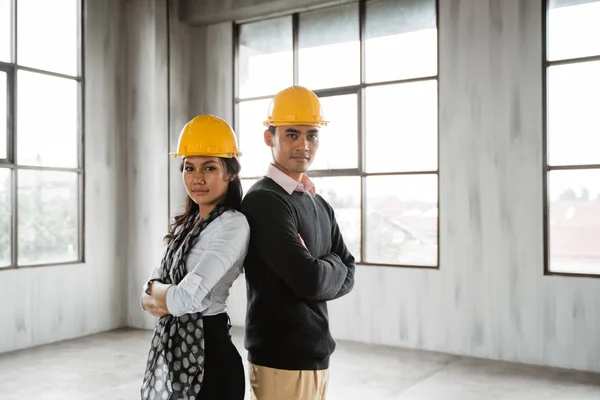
point(208, 12)
point(201, 78)
point(126, 189)
point(201, 73)
point(194, 65)
point(148, 145)
point(47, 304)
point(490, 297)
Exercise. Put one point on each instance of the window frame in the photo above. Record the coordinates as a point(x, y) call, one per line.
point(546, 167)
point(10, 162)
point(360, 90)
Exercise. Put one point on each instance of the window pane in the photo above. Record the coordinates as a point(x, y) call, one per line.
point(48, 35)
point(256, 156)
point(5, 30)
point(338, 142)
point(573, 118)
point(48, 216)
point(401, 127)
point(402, 220)
point(343, 193)
point(406, 29)
point(573, 29)
point(46, 120)
point(265, 57)
point(247, 184)
point(3, 114)
point(574, 212)
point(329, 48)
point(5, 217)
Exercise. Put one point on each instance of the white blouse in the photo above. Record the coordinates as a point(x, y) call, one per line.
point(213, 264)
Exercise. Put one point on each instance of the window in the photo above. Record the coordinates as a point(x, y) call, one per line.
point(572, 137)
point(41, 171)
point(374, 66)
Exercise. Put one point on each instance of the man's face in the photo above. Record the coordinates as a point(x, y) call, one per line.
point(293, 147)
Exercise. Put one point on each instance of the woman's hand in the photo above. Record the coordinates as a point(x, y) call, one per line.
point(152, 308)
point(156, 302)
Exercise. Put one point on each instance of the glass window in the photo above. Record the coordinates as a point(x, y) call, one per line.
point(329, 48)
point(343, 193)
point(377, 158)
point(403, 28)
point(5, 30)
point(247, 184)
point(573, 29)
point(48, 216)
point(3, 115)
point(48, 35)
point(338, 141)
point(402, 217)
point(572, 141)
point(40, 217)
point(5, 216)
point(46, 120)
point(265, 57)
point(574, 221)
point(256, 155)
point(573, 117)
point(402, 127)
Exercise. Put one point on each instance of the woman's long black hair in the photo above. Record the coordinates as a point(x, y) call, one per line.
point(232, 200)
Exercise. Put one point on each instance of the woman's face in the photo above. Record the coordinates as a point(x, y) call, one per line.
point(206, 180)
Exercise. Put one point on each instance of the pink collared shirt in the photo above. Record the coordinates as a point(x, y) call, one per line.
point(290, 184)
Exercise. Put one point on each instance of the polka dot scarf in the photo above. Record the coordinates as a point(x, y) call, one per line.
point(175, 366)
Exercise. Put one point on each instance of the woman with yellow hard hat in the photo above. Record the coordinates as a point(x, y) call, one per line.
point(191, 354)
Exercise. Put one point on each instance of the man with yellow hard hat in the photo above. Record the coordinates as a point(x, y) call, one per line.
point(296, 262)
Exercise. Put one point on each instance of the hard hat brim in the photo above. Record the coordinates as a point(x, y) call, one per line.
point(220, 155)
point(291, 123)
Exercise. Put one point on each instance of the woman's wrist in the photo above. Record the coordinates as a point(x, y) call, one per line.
point(148, 286)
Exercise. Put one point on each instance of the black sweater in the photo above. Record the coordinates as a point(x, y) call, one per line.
point(288, 285)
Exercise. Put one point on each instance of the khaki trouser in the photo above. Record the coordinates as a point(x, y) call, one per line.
point(280, 384)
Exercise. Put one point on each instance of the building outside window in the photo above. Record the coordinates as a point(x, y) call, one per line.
point(374, 66)
point(572, 137)
point(41, 169)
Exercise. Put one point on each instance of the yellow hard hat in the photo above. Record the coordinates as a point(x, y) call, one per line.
point(207, 135)
point(295, 105)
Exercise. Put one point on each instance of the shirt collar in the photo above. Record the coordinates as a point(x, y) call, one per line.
point(289, 184)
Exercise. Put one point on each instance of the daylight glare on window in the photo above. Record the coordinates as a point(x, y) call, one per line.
point(5, 28)
point(573, 29)
point(3, 115)
point(47, 35)
point(573, 136)
point(385, 199)
point(40, 132)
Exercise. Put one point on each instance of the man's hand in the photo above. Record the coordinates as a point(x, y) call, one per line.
point(302, 241)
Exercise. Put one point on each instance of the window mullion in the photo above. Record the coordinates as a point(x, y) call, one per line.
point(12, 149)
point(14, 220)
point(13, 49)
point(295, 34)
point(362, 17)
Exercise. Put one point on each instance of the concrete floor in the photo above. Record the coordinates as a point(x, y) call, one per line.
point(109, 366)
